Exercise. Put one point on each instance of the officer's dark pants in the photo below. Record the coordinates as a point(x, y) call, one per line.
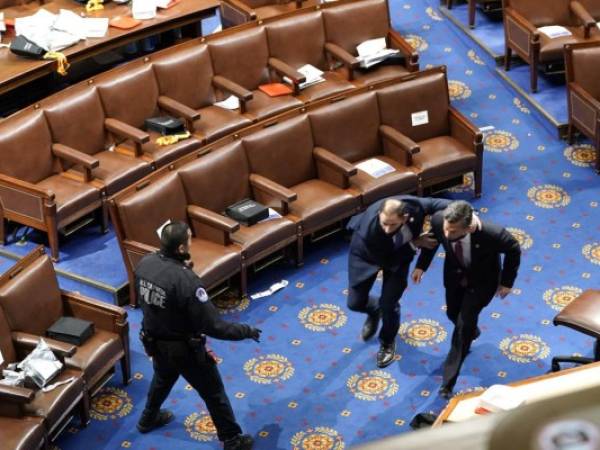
point(463, 307)
point(394, 284)
point(174, 358)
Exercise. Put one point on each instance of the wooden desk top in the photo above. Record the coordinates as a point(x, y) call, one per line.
point(461, 407)
point(16, 71)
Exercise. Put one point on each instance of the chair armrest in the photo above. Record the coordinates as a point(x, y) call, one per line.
point(342, 55)
point(286, 70)
point(465, 132)
point(104, 316)
point(522, 22)
point(242, 7)
point(139, 137)
point(398, 140)
point(179, 109)
point(582, 14)
point(272, 188)
point(14, 394)
point(76, 157)
point(212, 219)
point(29, 341)
point(334, 162)
point(225, 84)
point(25, 186)
point(411, 56)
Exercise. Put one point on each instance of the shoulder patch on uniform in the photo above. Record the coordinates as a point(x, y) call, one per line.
point(201, 295)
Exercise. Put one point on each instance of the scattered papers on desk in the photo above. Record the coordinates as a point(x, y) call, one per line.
point(54, 32)
point(231, 102)
point(143, 9)
point(499, 397)
point(274, 288)
point(554, 31)
point(312, 75)
point(162, 3)
point(373, 51)
point(273, 215)
point(375, 167)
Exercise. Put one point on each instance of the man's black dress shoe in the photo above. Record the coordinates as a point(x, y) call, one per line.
point(148, 423)
point(385, 355)
point(370, 327)
point(445, 392)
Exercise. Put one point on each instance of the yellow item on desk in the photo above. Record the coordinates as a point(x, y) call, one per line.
point(61, 61)
point(172, 139)
point(94, 5)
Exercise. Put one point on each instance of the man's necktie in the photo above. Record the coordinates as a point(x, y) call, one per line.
point(458, 252)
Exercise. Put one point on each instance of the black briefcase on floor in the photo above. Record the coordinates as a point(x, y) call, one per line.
point(247, 212)
point(70, 329)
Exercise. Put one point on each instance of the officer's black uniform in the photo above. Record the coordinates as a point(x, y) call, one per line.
point(176, 308)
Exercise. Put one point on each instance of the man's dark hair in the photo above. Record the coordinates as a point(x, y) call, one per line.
point(460, 212)
point(394, 206)
point(172, 236)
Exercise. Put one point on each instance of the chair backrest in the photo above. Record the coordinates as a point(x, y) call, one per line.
point(242, 57)
point(299, 40)
point(140, 216)
point(217, 180)
point(398, 103)
point(283, 152)
point(186, 75)
point(583, 67)
point(350, 24)
point(551, 12)
point(30, 296)
point(26, 147)
point(6, 345)
point(76, 119)
point(131, 94)
point(349, 128)
point(593, 7)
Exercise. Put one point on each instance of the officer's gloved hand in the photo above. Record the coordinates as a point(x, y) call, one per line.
point(254, 334)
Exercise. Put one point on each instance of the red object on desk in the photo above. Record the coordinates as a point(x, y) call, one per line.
point(482, 411)
point(124, 22)
point(172, 3)
point(9, 22)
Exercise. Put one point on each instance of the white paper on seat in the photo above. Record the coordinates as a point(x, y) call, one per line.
point(500, 397)
point(159, 229)
point(554, 31)
point(373, 51)
point(231, 102)
point(273, 215)
point(312, 75)
point(375, 167)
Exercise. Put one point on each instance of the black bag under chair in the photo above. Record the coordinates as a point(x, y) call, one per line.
point(72, 330)
point(247, 212)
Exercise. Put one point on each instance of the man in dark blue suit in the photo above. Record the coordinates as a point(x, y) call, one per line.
point(473, 274)
point(386, 237)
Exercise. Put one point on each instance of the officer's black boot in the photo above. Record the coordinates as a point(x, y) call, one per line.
point(240, 442)
point(150, 420)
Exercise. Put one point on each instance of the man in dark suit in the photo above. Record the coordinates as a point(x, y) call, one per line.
point(473, 274)
point(385, 238)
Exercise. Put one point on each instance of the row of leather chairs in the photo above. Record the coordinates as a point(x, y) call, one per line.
point(60, 158)
point(30, 302)
point(582, 63)
point(522, 18)
point(303, 165)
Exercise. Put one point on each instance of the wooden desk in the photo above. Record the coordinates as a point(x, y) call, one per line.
point(462, 407)
point(16, 71)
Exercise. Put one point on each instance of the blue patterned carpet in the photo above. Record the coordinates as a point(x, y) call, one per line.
point(312, 384)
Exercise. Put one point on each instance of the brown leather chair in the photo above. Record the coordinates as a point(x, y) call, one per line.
point(522, 18)
point(185, 79)
point(444, 147)
point(349, 24)
point(487, 5)
point(34, 190)
point(351, 129)
point(582, 62)
point(79, 130)
point(130, 95)
point(54, 408)
point(135, 216)
point(300, 40)
point(583, 315)
point(31, 287)
point(236, 12)
point(285, 154)
point(241, 64)
point(20, 433)
point(221, 179)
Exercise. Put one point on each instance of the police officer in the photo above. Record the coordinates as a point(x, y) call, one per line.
point(177, 315)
